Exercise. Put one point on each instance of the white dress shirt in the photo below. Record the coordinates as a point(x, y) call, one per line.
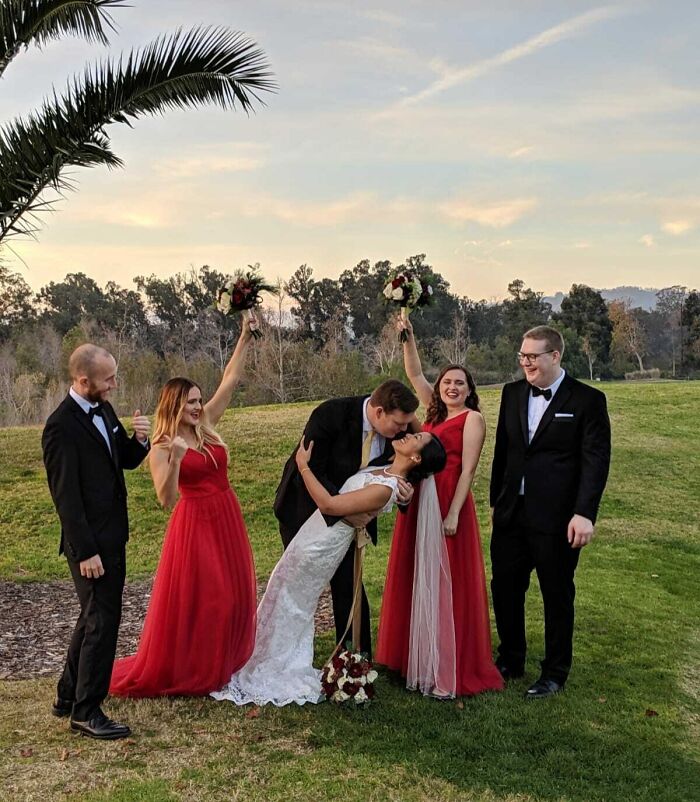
point(379, 442)
point(536, 407)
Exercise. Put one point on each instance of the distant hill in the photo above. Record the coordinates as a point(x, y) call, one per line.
point(645, 298)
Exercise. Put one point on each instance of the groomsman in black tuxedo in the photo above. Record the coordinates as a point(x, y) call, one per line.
point(549, 471)
point(86, 450)
point(348, 434)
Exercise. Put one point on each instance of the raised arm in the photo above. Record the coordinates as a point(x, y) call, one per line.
point(369, 499)
point(472, 444)
point(217, 404)
point(412, 365)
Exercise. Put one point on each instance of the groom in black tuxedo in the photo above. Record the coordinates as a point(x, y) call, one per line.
point(348, 433)
point(549, 471)
point(86, 450)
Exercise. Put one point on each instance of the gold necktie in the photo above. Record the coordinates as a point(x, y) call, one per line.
point(367, 448)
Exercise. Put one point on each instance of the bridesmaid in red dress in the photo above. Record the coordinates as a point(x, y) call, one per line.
point(454, 416)
point(200, 623)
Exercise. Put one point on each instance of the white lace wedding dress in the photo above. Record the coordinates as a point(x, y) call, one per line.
point(280, 670)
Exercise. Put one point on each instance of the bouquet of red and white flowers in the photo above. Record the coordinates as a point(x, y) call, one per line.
point(348, 675)
point(242, 294)
point(407, 290)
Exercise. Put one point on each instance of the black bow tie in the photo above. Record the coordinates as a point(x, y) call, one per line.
point(538, 391)
point(98, 410)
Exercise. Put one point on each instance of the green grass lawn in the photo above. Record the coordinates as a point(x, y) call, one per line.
point(625, 729)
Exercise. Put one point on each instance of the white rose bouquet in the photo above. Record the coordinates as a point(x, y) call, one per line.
point(242, 294)
point(407, 290)
point(348, 676)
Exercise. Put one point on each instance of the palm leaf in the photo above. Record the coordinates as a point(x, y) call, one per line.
point(208, 65)
point(26, 22)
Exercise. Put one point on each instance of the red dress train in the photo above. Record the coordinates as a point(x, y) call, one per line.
point(476, 671)
point(200, 623)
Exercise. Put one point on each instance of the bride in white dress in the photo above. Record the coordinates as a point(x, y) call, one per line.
point(280, 670)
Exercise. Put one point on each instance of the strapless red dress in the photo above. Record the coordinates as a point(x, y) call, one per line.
point(200, 623)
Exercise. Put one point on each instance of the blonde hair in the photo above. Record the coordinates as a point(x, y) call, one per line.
point(171, 404)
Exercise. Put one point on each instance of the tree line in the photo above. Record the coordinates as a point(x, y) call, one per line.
point(323, 337)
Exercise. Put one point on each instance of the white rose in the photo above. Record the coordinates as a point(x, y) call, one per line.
point(372, 676)
point(360, 696)
point(330, 676)
point(397, 294)
point(341, 682)
point(388, 290)
point(224, 303)
point(342, 696)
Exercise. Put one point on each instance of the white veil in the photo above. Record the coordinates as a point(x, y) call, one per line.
point(431, 656)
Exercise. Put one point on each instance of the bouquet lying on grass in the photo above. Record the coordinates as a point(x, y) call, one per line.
point(348, 676)
point(407, 290)
point(242, 294)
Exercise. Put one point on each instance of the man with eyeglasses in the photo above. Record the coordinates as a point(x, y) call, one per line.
point(549, 471)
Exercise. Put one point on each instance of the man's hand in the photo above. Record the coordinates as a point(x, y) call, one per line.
point(141, 426)
point(92, 568)
point(404, 494)
point(579, 532)
point(360, 519)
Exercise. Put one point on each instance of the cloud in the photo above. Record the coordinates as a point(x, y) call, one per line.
point(582, 246)
point(455, 76)
point(518, 153)
point(647, 241)
point(677, 227)
point(230, 157)
point(308, 213)
point(491, 215)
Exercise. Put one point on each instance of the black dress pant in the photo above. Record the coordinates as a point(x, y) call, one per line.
point(515, 551)
point(342, 584)
point(88, 667)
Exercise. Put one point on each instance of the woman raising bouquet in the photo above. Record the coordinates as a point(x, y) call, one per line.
point(461, 658)
point(200, 623)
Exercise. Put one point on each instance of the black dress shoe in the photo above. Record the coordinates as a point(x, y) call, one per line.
point(543, 688)
point(509, 674)
point(62, 707)
point(101, 727)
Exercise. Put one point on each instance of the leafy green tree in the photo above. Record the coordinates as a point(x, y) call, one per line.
point(16, 307)
point(584, 312)
point(206, 65)
point(523, 310)
point(362, 288)
point(66, 303)
point(691, 327)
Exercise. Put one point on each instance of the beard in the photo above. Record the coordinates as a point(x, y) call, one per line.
point(96, 396)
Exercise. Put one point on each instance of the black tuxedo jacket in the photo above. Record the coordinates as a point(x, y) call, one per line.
point(336, 429)
point(565, 466)
point(86, 481)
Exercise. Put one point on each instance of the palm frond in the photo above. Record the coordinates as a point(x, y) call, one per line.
point(203, 66)
point(26, 22)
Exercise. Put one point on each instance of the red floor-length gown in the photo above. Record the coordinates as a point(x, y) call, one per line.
point(200, 624)
point(476, 671)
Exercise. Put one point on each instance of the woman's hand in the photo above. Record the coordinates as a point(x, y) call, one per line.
point(303, 455)
point(176, 446)
point(250, 324)
point(404, 324)
point(449, 525)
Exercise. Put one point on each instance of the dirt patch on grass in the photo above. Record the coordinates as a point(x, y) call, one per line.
point(37, 619)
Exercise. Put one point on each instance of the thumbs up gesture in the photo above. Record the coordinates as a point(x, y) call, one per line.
point(141, 426)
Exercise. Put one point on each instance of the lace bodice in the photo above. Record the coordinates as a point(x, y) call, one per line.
point(366, 477)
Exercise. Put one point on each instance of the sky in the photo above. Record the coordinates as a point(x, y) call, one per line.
point(553, 141)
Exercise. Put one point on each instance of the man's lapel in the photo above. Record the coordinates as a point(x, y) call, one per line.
point(523, 401)
point(560, 398)
point(90, 427)
point(111, 421)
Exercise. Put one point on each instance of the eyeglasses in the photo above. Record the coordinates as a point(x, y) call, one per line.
point(528, 359)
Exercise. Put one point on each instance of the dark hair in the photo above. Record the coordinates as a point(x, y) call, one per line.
point(549, 335)
point(432, 460)
point(392, 395)
point(437, 411)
